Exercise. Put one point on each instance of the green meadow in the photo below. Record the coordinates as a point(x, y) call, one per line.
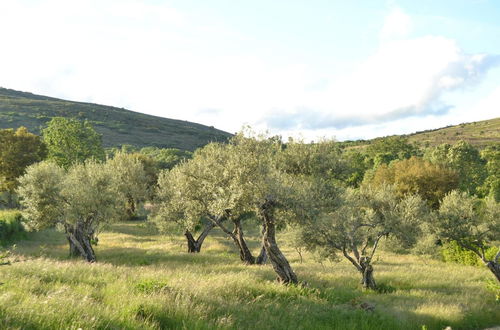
point(145, 280)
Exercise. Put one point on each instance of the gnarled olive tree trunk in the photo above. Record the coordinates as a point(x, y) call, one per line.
point(279, 262)
point(368, 281)
point(494, 265)
point(80, 242)
point(194, 245)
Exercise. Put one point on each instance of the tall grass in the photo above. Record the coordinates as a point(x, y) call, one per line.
point(143, 280)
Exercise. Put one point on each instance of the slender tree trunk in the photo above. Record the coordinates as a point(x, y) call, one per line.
point(262, 258)
point(279, 262)
point(245, 253)
point(130, 208)
point(194, 245)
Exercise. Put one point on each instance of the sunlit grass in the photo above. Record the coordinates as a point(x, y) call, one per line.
point(144, 280)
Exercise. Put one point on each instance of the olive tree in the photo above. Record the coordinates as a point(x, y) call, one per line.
point(78, 201)
point(180, 199)
point(354, 228)
point(131, 180)
point(216, 184)
point(472, 223)
point(226, 183)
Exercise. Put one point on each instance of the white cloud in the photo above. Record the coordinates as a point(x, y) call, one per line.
point(404, 78)
point(152, 58)
point(397, 24)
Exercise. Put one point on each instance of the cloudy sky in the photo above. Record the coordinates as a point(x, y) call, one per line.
point(316, 68)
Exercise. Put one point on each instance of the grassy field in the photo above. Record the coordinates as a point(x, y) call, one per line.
point(144, 280)
point(118, 126)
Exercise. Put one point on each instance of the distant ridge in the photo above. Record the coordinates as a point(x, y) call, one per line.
point(118, 126)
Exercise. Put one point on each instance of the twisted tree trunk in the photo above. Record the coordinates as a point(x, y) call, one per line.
point(279, 262)
point(494, 267)
point(194, 245)
point(368, 281)
point(80, 242)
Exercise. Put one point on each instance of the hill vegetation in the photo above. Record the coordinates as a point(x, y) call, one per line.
point(118, 126)
point(480, 134)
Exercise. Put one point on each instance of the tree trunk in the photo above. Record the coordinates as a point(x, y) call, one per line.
point(278, 260)
point(80, 243)
point(194, 245)
point(262, 258)
point(130, 208)
point(368, 281)
point(73, 250)
point(495, 269)
point(245, 253)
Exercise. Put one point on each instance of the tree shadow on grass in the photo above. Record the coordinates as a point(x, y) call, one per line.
point(131, 256)
point(133, 228)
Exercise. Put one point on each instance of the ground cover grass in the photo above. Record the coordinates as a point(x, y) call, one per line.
point(144, 280)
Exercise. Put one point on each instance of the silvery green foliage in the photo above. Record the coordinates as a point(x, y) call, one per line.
point(470, 222)
point(363, 217)
point(129, 175)
point(131, 181)
point(219, 178)
point(91, 193)
point(40, 193)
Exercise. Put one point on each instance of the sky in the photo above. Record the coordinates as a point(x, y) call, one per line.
point(311, 69)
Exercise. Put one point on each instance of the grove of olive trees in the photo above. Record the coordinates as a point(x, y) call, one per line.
point(342, 203)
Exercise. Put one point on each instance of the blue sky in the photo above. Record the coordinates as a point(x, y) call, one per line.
point(335, 69)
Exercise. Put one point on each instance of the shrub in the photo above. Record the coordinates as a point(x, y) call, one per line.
point(452, 252)
point(11, 226)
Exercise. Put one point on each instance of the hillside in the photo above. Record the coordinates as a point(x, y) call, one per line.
point(480, 134)
point(118, 126)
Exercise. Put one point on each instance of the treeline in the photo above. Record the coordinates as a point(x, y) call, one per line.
point(341, 202)
point(65, 142)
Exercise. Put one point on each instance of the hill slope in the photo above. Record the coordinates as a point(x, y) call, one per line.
point(117, 125)
point(480, 134)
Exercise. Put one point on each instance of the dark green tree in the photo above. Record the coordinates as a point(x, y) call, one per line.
point(18, 150)
point(385, 150)
point(463, 158)
point(71, 141)
point(491, 185)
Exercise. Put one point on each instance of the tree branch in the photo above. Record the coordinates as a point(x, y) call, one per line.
point(358, 267)
point(376, 244)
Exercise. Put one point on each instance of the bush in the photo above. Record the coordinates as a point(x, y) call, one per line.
point(11, 226)
point(452, 252)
